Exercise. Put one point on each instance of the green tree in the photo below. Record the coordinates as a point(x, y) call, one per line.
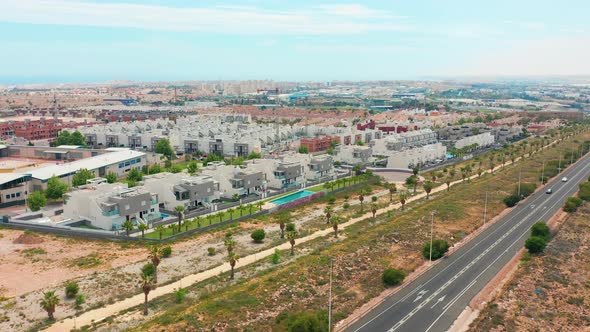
point(143, 227)
point(36, 201)
point(392, 277)
point(303, 149)
point(291, 236)
point(392, 189)
point(160, 229)
point(230, 244)
point(335, 222)
point(81, 177)
point(72, 289)
point(403, 196)
point(63, 138)
point(135, 175)
point(192, 167)
point(49, 302)
point(428, 185)
point(535, 244)
point(155, 255)
point(258, 235)
point(232, 258)
point(147, 284)
point(55, 188)
point(77, 139)
point(179, 209)
point(308, 322)
point(282, 219)
point(439, 248)
point(328, 212)
point(541, 230)
point(128, 226)
point(163, 147)
point(253, 155)
point(111, 177)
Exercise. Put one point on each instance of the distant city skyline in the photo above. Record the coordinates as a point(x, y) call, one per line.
point(52, 41)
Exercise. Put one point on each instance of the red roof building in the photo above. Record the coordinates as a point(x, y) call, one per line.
point(319, 143)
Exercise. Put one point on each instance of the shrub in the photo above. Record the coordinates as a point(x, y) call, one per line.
point(569, 207)
point(258, 235)
point(80, 300)
point(584, 192)
point(439, 248)
point(275, 258)
point(535, 244)
point(307, 322)
point(211, 251)
point(526, 189)
point(541, 230)
point(346, 197)
point(179, 295)
point(511, 200)
point(392, 277)
point(148, 269)
point(345, 206)
point(72, 289)
point(166, 251)
point(374, 198)
point(290, 227)
point(331, 200)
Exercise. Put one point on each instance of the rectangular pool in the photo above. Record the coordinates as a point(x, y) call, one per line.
point(292, 197)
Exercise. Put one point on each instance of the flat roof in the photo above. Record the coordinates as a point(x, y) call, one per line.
point(69, 146)
point(91, 163)
point(53, 151)
point(9, 177)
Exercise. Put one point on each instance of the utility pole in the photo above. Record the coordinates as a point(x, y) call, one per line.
point(485, 208)
point(431, 234)
point(330, 298)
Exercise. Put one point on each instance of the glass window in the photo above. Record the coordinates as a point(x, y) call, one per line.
point(13, 195)
point(121, 165)
point(7, 196)
point(17, 194)
point(138, 160)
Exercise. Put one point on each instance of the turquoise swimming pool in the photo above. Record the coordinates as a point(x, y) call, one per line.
point(292, 197)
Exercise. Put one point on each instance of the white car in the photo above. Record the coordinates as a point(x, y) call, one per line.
point(564, 179)
point(549, 191)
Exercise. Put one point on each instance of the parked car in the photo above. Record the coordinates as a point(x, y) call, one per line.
point(564, 179)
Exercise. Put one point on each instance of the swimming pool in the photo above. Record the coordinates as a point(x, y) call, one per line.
point(164, 215)
point(292, 197)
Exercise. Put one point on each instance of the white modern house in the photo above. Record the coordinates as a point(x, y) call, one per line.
point(182, 189)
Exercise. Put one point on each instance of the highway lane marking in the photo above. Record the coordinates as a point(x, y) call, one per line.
point(490, 265)
point(479, 257)
point(420, 295)
point(474, 246)
point(440, 299)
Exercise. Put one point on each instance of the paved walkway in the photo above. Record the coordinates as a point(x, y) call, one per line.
point(100, 314)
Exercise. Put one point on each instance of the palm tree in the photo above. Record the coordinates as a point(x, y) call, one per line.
point(428, 185)
point(160, 229)
point(231, 213)
point(283, 219)
point(392, 189)
point(210, 218)
point(328, 186)
point(250, 208)
point(147, 284)
point(230, 244)
point(259, 204)
point(220, 215)
point(328, 211)
point(479, 172)
point(403, 196)
point(188, 223)
point(179, 209)
point(361, 199)
point(49, 302)
point(155, 255)
point(232, 258)
point(241, 209)
point(128, 226)
point(143, 227)
point(448, 183)
point(374, 210)
point(291, 236)
point(335, 222)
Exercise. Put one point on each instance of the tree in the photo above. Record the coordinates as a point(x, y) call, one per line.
point(511, 200)
point(303, 149)
point(134, 175)
point(535, 244)
point(328, 212)
point(356, 169)
point(392, 277)
point(448, 183)
point(308, 322)
point(36, 201)
point(232, 258)
point(361, 199)
point(111, 177)
point(147, 284)
point(415, 171)
point(81, 177)
point(392, 189)
point(412, 181)
point(282, 219)
point(291, 236)
point(77, 139)
point(128, 226)
point(230, 211)
point(63, 138)
point(179, 209)
point(160, 229)
point(253, 155)
point(335, 222)
point(259, 204)
point(403, 196)
point(439, 248)
point(143, 227)
point(49, 302)
point(230, 244)
point(163, 147)
point(374, 210)
point(541, 230)
point(428, 185)
point(155, 255)
point(192, 167)
point(72, 289)
point(258, 235)
point(55, 188)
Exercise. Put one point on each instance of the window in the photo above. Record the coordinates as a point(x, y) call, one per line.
point(7, 196)
point(121, 165)
point(138, 160)
point(127, 163)
point(208, 190)
point(17, 194)
point(12, 195)
point(152, 210)
point(126, 206)
point(133, 162)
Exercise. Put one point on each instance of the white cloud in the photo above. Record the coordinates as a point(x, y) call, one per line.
point(336, 19)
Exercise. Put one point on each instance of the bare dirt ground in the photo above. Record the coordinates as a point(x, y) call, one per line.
point(549, 292)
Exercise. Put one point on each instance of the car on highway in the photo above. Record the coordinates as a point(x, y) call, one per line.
point(564, 179)
point(549, 191)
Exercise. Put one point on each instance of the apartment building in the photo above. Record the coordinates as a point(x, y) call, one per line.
point(354, 154)
point(318, 144)
point(405, 140)
point(320, 169)
point(236, 180)
point(108, 206)
point(412, 157)
point(14, 188)
point(182, 189)
point(482, 140)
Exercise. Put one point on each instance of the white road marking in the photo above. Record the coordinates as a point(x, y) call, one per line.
point(438, 301)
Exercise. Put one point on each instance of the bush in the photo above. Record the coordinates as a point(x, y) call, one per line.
point(535, 244)
point(345, 206)
point(526, 189)
point(374, 198)
point(331, 200)
point(211, 251)
point(148, 269)
point(569, 207)
point(439, 248)
point(258, 235)
point(179, 295)
point(584, 192)
point(346, 197)
point(72, 289)
point(166, 252)
point(541, 230)
point(576, 201)
point(392, 277)
point(511, 200)
point(80, 300)
point(307, 322)
point(275, 258)
point(290, 227)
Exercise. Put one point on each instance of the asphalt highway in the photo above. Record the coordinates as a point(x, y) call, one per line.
point(434, 300)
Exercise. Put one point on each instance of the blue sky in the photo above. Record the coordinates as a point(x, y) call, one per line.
point(78, 40)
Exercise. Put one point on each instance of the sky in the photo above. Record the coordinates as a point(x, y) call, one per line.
point(51, 41)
